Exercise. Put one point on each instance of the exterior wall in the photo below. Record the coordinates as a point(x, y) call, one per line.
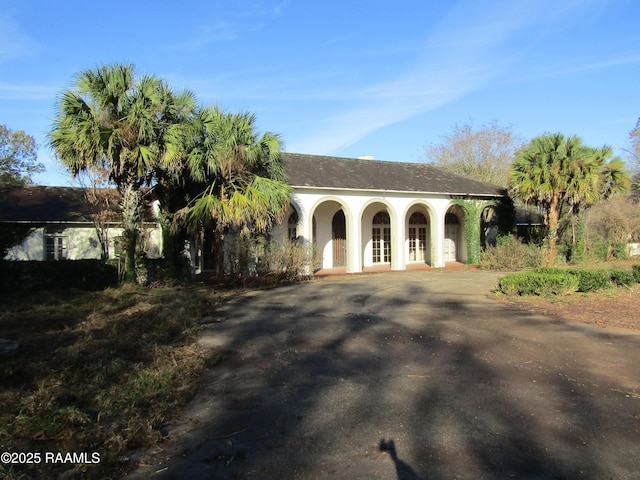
point(359, 208)
point(31, 248)
point(81, 243)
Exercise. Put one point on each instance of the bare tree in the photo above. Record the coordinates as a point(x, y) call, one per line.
point(615, 220)
point(102, 203)
point(634, 159)
point(484, 153)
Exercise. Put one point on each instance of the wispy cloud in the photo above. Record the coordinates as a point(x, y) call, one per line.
point(14, 43)
point(27, 92)
point(228, 26)
point(472, 45)
point(208, 34)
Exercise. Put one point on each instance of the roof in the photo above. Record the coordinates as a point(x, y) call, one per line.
point(365, 174)
point(39, 204)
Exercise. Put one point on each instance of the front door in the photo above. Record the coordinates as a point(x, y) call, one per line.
point(339, 239)
point(381, 236)
point(450, 242)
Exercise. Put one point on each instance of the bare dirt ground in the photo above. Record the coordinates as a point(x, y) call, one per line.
point(617, 308)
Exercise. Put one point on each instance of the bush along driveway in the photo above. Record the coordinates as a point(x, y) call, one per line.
point(408, 375)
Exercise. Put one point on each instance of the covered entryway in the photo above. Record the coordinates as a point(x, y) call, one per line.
point(339, 239)
point(329, 222)
point(451, 237)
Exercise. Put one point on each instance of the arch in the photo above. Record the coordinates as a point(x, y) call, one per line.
point(489, 220)
point(328, 238)
point(419, 233)
point(378, 243)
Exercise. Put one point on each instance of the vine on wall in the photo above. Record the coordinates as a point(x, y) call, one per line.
point(471, 228)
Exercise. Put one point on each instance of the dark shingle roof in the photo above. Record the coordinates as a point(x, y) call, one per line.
point(363, 174)
point(37, 204)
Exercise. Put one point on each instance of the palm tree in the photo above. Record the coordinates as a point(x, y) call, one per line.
point(112, 121)
point(592, 177)
point(231, 179)
point(553, 170)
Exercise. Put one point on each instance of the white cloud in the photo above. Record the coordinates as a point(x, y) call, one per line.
point(472, 45)
point(14, 43)
point(27, 92)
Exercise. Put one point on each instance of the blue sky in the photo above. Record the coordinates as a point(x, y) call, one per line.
point(345, 77)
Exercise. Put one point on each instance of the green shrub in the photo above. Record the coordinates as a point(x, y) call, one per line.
point(636, 272)
point(591, 280)
point(622, 278)
point(537, 283)
point(510, 253)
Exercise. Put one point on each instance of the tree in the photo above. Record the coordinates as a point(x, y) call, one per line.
point(18, 158)
point(230, 179)
point(634, 155)
point(554, 171)
point(117, 122)
point(485, 153)
point(616, 220)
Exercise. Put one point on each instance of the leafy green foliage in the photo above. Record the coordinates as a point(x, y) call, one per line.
point(538, 283)
point(551, 280)
point(622, 278)
point(471, 229)
point(18, 158)
point(591, 280)
point(636, 272)
point(117, 122)
point(555, 171)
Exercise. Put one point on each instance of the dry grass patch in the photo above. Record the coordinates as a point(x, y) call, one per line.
point(97, 372)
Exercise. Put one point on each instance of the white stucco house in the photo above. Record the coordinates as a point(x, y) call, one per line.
point(357, 213)
point(362, 213)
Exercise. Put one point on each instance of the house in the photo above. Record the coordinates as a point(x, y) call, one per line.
point(358, 213)
point(362, 213)
point(66, 223)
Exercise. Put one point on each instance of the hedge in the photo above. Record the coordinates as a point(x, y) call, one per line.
point(537, 283)
point(559, 281)
point(66, 274)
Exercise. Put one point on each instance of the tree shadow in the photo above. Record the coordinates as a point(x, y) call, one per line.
point(302, 385)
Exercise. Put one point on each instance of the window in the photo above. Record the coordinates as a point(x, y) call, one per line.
point(56, 246)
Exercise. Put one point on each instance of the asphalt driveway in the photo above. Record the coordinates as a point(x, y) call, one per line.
point(407, 375)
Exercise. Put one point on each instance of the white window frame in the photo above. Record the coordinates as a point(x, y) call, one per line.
point(59, 246)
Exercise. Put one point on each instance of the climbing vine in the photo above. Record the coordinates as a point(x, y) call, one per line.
point(471, 228)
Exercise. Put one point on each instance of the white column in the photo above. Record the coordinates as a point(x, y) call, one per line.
point(397, 241)
point(354, 255)
point(437, 238)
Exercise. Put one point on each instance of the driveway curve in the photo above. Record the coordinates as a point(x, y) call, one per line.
point(405, 375)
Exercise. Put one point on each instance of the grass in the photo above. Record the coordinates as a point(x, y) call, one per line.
point(97, 372)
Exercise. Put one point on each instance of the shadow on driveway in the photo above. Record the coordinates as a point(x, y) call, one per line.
point(407, 375)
